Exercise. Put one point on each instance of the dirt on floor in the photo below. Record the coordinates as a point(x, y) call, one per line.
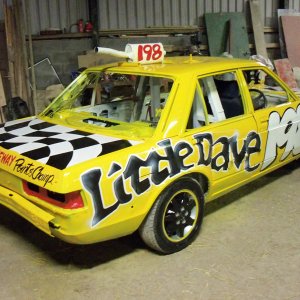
point(248, 248)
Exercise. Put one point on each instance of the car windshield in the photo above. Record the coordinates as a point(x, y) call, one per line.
point(119, 97)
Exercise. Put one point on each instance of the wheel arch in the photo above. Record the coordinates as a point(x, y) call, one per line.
point(201, 179)
point(151, 229)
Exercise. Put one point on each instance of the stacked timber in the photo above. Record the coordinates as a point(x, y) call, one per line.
point(16, 49)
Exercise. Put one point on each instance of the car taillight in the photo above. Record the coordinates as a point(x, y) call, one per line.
point(70, 200)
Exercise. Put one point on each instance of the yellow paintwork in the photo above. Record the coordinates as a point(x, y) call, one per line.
point(75, 225)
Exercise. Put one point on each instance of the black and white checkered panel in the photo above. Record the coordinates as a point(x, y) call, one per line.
point(55, 145)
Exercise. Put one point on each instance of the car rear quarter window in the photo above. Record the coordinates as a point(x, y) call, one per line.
point(218, 98)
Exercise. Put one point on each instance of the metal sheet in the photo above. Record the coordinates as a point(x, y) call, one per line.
point(292, 4)
point(281, 13)
point(227, 32)
point(292, 41)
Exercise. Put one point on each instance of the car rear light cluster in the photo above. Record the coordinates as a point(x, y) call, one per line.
point(70, 200)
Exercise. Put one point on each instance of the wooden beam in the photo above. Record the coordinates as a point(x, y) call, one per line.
point(2, 99)
point(259, 37)
point(9, 25)
point(94, 17)
point(33, 104)
point(2, 92)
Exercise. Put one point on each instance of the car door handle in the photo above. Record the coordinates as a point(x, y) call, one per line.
point(264, 119)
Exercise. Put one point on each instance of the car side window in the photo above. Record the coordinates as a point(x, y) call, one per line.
point(222, 96)
point(217, 98)
point(265, 91)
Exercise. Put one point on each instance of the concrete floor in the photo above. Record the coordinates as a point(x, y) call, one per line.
point(248, 248)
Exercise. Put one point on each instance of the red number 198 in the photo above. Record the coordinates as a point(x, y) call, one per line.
point(152, 52)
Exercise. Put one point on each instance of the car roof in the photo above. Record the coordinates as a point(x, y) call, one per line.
point(176, 66)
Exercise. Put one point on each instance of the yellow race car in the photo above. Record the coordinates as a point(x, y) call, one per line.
point(132, 146)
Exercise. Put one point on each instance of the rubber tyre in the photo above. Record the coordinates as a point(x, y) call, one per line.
point(175, 218)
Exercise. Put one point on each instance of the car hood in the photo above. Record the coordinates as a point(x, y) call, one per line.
point(55, 145)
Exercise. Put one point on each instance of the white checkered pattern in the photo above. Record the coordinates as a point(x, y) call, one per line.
point(55, 145)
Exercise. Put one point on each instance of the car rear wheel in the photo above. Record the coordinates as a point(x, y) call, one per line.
point(175, 218)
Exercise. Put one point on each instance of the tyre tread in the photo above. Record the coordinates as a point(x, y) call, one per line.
point(148, 230)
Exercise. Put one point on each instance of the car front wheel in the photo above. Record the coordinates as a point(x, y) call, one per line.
point(175, 218)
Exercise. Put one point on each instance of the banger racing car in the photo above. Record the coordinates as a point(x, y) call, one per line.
point(142, 145)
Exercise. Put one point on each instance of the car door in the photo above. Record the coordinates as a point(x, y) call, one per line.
point(223, 132)
point(277, 114)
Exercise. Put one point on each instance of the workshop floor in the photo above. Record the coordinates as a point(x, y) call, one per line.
point(248, 248)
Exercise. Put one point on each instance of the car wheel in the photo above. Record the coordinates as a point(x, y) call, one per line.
point(175, 218)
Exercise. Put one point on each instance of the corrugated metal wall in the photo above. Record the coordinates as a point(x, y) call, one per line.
point(293, 4)
point(1, 10)
point(133, 14)
point(56, 13)
point(126, 14)
point(53, 13)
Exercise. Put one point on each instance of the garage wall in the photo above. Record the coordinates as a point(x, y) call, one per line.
point(132, 14)
point(53, 13)
point(293, 4)
point(144, 13)
point(56, 14)
point(129, 14)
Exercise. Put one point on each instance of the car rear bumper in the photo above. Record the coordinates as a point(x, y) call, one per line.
point(26, 209)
